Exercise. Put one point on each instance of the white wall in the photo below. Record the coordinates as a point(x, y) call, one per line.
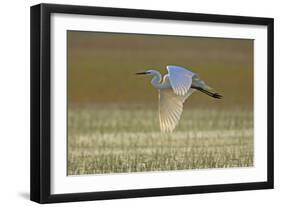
point(14, 109)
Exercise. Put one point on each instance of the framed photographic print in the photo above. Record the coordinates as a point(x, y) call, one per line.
point(133, 103)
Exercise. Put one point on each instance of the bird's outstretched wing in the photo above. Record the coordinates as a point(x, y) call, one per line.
point(170, 108)
point(180, 79)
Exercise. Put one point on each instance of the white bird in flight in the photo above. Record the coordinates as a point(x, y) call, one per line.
point(175, 88)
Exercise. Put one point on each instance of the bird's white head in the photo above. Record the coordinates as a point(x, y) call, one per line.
point(156, 77)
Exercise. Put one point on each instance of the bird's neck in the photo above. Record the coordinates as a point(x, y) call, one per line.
point(156, 81)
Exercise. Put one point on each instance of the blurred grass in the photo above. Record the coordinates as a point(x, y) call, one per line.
point(120, 140)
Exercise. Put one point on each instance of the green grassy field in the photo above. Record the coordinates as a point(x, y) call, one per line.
point(119, 140)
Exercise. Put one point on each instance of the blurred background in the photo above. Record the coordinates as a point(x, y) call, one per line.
point(102, 67)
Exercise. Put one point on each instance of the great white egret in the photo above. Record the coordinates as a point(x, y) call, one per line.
point(175, 88)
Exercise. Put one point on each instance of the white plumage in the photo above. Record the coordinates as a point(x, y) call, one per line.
point(175, 88)
point(180, 79)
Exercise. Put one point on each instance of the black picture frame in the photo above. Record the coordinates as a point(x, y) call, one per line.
point(41, 97)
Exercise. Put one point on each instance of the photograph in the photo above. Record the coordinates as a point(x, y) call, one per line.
point(142, 103)
point(129, 103)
